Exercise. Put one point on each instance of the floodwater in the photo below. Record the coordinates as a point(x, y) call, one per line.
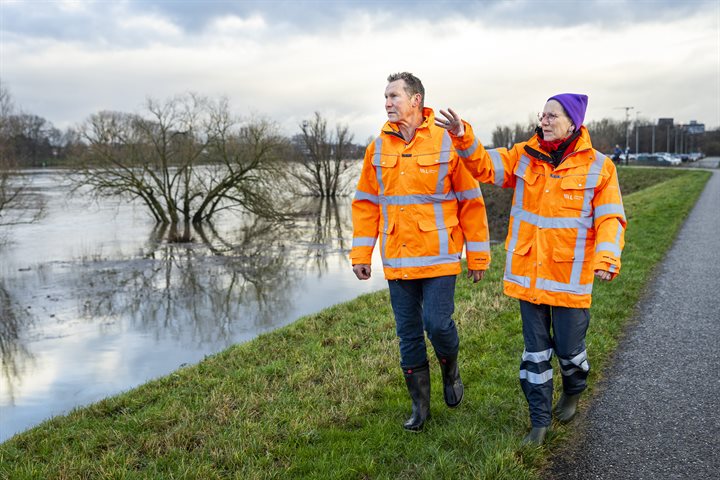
point(94, 302)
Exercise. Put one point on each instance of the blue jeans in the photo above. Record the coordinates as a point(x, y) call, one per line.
point(421, 305)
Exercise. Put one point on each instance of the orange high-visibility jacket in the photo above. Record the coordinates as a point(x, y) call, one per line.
point(423, 204)
point(565, 222)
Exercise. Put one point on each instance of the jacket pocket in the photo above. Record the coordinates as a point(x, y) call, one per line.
point(563, 255)
point(574, 191)
point(433, 159)
point(426, 225)
point(385, 161)
point(518, 268)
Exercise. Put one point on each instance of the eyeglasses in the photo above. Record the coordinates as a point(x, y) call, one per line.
point(551, 117)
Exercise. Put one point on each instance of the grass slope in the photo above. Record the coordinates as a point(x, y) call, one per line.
point(324, 397)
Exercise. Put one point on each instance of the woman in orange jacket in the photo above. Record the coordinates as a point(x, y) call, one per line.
point(567, 227)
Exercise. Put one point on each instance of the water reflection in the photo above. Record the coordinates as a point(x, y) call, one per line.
point(13, 350)
point(116, 305)
point(199, 292)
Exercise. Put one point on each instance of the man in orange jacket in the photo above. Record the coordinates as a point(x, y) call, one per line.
point(421, 201)
point(567, 227)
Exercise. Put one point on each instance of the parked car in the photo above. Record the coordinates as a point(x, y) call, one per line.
point(657, 159)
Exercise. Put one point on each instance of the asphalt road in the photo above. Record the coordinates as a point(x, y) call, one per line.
point(657, 413)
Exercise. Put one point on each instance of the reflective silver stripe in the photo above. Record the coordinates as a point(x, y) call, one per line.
point(537, 357)
point(553, 286)
point(363, 242)
point(417, 199)
point(468, 151)
point(471, 194)
point(609, 246)
point(576, 360)
point(378, 151)
point(579, 360)
point(442, 232)
point(517, 201)
point(618, 234)
point(609, 209)
point(444, 160)
point(549, 222)
point(579, 258)
point(421, 261)
point(613, 268)
point(359, 195)
point(498, 167)
point(537, 378)
point(591, 181)
point(478, 246)
point(381, 191)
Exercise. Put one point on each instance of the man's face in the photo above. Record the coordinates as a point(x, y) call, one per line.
point(398, 104)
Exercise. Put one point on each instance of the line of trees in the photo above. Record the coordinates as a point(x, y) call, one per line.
point(188, 158)
point(641, 135)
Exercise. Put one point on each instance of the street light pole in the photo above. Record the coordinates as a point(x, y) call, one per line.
point(637, 133)
point(627, 133)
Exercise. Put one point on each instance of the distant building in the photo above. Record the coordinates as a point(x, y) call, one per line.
point(694, 128)
point(665, 122)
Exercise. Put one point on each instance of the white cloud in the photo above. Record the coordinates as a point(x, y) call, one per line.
point(149, 24)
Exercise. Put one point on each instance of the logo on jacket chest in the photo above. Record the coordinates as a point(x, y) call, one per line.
point(570, 196)
point(427, 170)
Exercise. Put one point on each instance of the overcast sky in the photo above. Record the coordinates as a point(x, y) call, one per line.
point(495, 62)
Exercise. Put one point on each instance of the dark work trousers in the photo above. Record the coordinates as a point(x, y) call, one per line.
point(420, 305)
point(567, 341)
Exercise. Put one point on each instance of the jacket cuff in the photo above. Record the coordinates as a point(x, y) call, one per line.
point(613, 268)
point(478, 262)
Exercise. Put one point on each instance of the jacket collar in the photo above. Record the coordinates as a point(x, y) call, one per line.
point(571, 158)
point(424, 129)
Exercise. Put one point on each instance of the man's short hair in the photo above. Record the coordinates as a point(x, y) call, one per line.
point(413, 85)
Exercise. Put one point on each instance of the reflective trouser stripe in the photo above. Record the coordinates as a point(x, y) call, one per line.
point(578, 363)
point(537, 378)
point(549, 331)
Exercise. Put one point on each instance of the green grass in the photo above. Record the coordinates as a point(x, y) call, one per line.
point(324, 397)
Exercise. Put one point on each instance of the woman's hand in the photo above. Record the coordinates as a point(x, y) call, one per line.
point(452, 122)
point(604, 275)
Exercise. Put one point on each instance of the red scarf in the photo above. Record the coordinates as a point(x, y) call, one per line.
point(556, 149)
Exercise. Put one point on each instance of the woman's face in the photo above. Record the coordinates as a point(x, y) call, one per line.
point(554, 123)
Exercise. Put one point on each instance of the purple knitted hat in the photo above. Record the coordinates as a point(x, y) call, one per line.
point(574, 104)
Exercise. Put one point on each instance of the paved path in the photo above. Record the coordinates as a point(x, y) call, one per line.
point(657, 413)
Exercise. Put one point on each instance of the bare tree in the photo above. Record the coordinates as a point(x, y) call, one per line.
point(322, 156)
point(506, 135)
point(186, 160)
point(17, 206)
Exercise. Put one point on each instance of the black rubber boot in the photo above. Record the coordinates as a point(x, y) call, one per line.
point(418, 384)
point(453, 389)
point(536, 436)
point(566, 407)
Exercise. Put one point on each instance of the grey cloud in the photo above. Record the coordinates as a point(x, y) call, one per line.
point(98, 21)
